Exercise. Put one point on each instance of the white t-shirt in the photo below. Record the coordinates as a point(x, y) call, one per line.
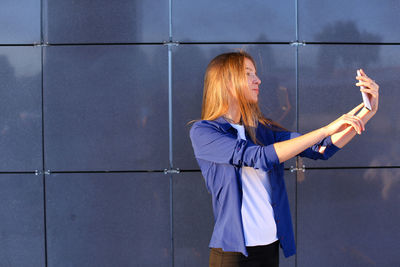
point(257, 213)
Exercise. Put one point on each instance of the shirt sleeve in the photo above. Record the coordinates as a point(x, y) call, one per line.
point(213, 144)
point(313, 151)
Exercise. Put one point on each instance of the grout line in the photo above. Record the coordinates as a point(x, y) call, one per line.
point(170, 19)
point(43, 142)
point(41, 21)
point(198, 170)
point(296, 11)
point(170, 125)
point(107, 171)
point(170, 105)
point(199, 43)
point(34, 44)
point(171, 210)
point(170, 147)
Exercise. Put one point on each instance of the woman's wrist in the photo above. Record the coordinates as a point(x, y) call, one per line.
point(325, 131)
point(366, 114)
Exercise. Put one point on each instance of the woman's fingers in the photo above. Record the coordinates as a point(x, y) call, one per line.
point(370, 91)
point(355, 122)
point(355, 126)
point(364, 78)
point(356, 109)
point(367, 84)
point(360, 124)
point(345, 121)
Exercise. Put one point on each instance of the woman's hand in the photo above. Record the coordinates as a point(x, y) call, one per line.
point(346, 120)
point(371, 88)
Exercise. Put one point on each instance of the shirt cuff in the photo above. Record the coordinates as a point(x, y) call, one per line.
point(330, 147)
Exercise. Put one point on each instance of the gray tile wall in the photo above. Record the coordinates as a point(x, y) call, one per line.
point(95, 102)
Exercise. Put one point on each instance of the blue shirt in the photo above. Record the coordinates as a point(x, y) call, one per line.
point(221, 156)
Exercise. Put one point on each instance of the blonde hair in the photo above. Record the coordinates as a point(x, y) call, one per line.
point(227, 72)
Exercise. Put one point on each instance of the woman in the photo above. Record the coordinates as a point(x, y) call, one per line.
point(241, 155)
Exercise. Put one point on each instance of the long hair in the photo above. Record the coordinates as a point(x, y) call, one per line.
point(227, 72)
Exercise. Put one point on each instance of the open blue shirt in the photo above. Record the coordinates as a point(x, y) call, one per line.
point(221, 156)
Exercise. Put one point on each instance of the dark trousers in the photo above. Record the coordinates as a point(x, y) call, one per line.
point(259, 256)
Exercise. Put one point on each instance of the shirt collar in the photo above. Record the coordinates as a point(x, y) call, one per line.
point(223, 123)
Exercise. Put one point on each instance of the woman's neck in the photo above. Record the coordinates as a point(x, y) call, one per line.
point(233, 114)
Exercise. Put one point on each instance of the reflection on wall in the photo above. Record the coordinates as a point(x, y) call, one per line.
point(118, 94)
point(355, 56)
point(20, 109)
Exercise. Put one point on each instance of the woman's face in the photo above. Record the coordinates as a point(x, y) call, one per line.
point(251, 93)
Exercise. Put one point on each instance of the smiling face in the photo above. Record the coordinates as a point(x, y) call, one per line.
point(251, 92)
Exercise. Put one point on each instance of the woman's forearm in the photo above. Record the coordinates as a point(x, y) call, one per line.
point(340, 139)
point(290, 148)
point(343, 126)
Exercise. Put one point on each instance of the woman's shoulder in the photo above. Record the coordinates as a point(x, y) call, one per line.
point(201, 127)
point(203, 123)
point(218, 123)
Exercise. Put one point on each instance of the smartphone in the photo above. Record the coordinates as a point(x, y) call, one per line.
point(365, 98)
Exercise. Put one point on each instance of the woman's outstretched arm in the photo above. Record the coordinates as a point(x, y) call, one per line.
point(288, 149)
